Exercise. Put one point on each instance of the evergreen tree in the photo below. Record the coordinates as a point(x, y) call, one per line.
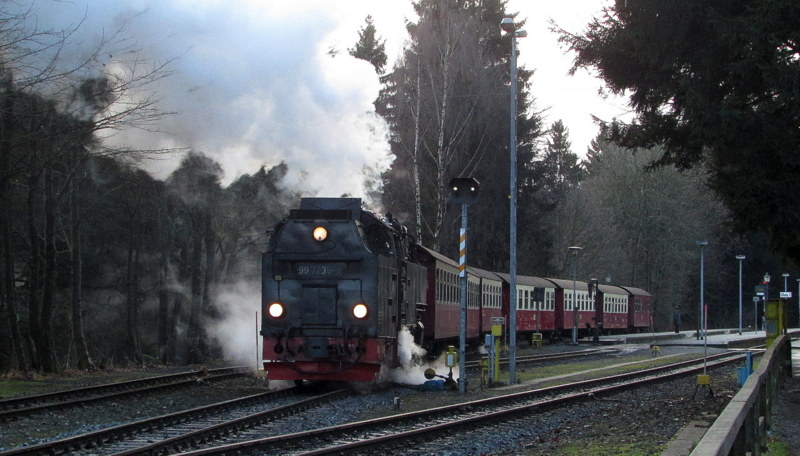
point(552, 177)
point(559, 169)
point(370, 47)
point(716, 83)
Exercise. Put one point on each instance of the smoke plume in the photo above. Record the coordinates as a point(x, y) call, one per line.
point(253, 83)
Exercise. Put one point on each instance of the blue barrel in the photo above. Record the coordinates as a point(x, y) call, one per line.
point(742, 374)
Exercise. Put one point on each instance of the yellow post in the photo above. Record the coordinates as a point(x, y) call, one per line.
point(451, 357)
point(775, 324)
point(497, 332)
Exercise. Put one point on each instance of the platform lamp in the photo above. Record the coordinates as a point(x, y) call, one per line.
point(740, 258)
point(464, 191)
point(508, 26)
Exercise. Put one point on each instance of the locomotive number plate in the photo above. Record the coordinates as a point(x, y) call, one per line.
point(319, 269)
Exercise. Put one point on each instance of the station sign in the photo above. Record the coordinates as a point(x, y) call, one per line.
point(786, 294)
point(760, 290)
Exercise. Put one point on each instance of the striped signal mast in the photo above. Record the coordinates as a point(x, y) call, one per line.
point(464, 191)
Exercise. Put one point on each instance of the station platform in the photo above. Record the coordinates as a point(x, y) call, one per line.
point(717, 338)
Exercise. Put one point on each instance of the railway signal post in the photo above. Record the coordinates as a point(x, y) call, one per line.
point(464, 192)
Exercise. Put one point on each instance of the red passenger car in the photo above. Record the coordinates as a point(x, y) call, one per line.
point(565, 294)
point(640, 309)
point(491, 297)
point(613, 307)
point(535, 303)
point(442, 316)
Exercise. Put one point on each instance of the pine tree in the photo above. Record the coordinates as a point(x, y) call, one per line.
point(716, 83)
point(370, 47)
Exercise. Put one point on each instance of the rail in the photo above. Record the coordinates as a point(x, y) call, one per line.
point(742, 426)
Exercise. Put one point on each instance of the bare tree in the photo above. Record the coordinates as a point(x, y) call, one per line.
point(54, 115)
point(442, 101)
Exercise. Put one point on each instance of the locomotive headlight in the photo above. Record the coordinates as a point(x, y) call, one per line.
point(320, 233)
point(276, 310)
point(360, 311)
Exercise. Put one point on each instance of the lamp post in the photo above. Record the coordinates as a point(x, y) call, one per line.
point(508, 25)
point(701, 319)
point(574, 250)
point(740, 258)
point(464, 191)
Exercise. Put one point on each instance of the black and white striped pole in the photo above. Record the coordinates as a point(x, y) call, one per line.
point(464, 191)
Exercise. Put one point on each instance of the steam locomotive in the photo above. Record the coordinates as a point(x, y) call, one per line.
point(339, 284)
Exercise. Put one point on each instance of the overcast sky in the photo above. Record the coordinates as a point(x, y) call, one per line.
point(254, 84)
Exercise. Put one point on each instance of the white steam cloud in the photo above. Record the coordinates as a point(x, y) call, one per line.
point(412, 370)
point(237, 330)
point(254, 82)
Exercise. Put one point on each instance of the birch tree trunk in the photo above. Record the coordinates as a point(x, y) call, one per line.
point(8, 288)
point(132, 292)
point(415, 158)
point(34, 271)
point(46, 342)
point(441, 149)
point(83, 359)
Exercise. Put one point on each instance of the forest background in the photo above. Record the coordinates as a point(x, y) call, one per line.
point(104, 264)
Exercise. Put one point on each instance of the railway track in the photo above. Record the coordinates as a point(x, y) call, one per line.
point(380, 434)
point(550, 357)
point(28, 405)
point(177, 431)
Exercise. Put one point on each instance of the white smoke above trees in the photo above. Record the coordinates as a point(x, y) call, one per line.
point(254, 83)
